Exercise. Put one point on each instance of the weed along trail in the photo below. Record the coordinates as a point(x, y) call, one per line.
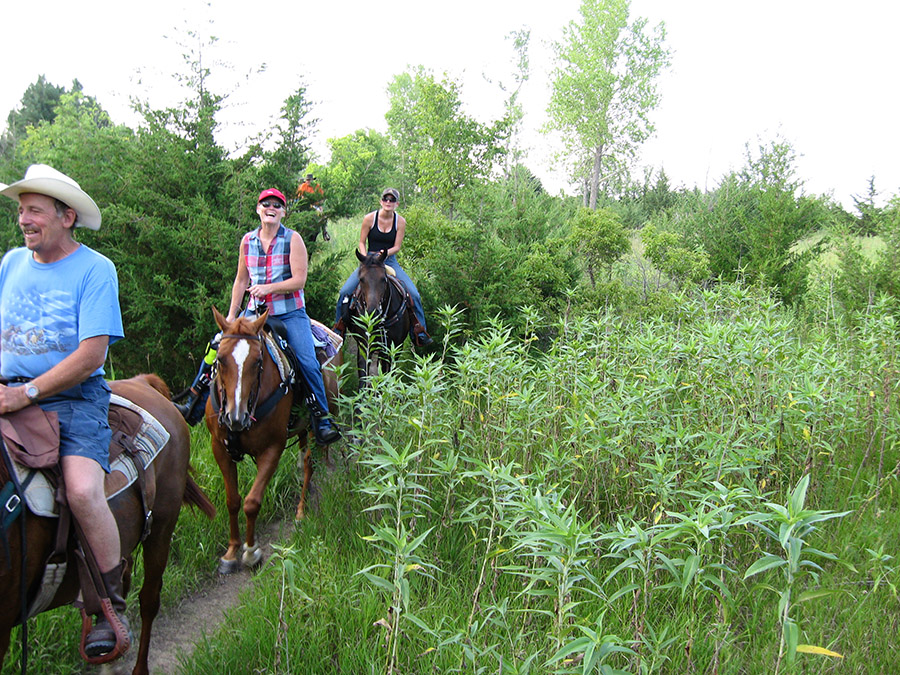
point(177, 629)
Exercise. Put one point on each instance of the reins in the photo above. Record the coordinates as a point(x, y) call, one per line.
point(9, 511)
point(257, 410)
point(381, 314)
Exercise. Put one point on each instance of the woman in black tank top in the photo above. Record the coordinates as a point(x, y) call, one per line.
point(382, 241)
point(383, 230)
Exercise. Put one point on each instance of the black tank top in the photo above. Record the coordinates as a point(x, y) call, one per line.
point(382, 241)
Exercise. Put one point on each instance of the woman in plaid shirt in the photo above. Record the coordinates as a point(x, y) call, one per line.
point(272, 267)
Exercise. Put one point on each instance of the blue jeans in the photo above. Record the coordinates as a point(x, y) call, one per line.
point(353, 281)
point(300, 339)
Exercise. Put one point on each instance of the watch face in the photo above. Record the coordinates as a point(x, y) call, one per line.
point(31, 391)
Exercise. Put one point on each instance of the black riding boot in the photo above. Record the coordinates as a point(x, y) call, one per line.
point(325, 431)
point(102, 638)
point(195, 403)
point(339, 327)
point(419, 336)
point(416, 330)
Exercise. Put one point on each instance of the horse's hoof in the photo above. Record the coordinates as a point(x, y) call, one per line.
point(251, 556)
point(229, 566)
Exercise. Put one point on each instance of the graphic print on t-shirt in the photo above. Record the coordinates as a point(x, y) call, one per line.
point(40, 324)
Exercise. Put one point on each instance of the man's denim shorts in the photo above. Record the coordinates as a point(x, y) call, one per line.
point(83, 420)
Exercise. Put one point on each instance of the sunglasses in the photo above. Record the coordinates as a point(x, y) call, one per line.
point(389, 198)
point(272, 205)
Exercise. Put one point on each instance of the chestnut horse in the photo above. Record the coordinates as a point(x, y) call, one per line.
point(248, 413)
point(382, 295)
point(174, 486)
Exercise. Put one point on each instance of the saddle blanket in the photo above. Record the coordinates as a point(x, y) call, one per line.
point(327, 339)
point(147, 440)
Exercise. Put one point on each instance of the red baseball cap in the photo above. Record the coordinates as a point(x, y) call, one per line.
point(271, 192)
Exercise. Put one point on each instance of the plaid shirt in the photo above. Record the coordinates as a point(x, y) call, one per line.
point(272, 266)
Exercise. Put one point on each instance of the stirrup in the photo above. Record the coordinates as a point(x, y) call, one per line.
point(326, 435)
point(107, 646)
point(421, 337)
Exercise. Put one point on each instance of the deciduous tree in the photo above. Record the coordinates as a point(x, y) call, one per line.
point(442, 149)
point(361, 164)
point(604, 88)
point(598, 236)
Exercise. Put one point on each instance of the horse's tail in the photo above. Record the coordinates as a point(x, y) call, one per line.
point(156, 382)
point(194, 496)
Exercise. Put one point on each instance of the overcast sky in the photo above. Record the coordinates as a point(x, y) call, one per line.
point(820, 74)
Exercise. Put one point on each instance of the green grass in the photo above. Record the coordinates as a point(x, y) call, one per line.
point(510, 510)
point(706, 494)
point(870, 247)
point(344, 238)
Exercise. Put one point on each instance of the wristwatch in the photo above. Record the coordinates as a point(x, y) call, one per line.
point(32, 391)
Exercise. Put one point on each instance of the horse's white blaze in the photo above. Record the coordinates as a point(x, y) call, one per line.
point(240, 353)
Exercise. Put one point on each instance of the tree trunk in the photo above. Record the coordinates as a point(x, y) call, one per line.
point(595, 177)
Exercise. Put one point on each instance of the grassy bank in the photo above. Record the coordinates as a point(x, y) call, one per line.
point(711, 492)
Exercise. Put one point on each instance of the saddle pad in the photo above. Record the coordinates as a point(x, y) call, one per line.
point(285, 371)
point(147, 442)
point(326, 339)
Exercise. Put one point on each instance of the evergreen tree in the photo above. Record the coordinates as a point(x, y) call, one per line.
point(870, 215)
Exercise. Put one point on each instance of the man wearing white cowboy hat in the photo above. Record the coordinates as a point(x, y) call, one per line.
point(59, 312)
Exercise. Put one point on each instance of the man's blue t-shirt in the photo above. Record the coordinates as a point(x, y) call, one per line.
point(47, 309)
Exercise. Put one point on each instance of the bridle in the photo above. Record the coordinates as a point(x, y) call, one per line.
point(380, 313)
point(253, 400)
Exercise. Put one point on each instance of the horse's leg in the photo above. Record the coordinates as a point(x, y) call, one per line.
point(362, 365)
point(306, 458)
point(228, 563)
point(4, 644)
point(266, 464)
point(156, 556)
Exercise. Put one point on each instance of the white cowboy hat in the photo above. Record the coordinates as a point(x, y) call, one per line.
point(45, 180)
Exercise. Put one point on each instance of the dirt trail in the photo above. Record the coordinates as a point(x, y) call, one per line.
point(177, 629)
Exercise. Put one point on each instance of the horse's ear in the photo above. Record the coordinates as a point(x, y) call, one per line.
point(223, 324)
point(261, 321)
point(382, 256)
point(360, 256)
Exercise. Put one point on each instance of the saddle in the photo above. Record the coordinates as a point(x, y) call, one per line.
point(327, 344)
point(276, 335)
point(31, 438)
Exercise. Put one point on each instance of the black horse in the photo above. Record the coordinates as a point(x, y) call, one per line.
point(383, 296)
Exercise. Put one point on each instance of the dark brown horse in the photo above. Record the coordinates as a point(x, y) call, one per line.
point(174, 486)
point(383, 296)
point(247, 413)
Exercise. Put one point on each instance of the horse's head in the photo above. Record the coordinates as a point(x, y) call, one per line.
point(372, 281)
point(239, 365)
